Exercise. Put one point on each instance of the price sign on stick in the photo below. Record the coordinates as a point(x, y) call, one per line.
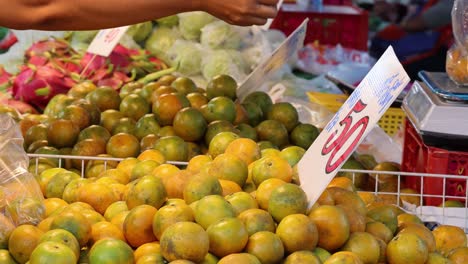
point(106, 40)
point(350, 125)
point(278, 58)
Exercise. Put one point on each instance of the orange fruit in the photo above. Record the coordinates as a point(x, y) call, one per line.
point(285, 113)
point(448, 238)
point(229, 167)
point(119, 219)
point(94, 132)
point(148, 190)
point(146, 249)
point(271, 167)
point(23, 240)
point(166, 106)
point(285, 200)
point(407, 248)
point(64, 237)
point(273, 131)
point(92, 216)
point(115, 208)
point(245, 130)
point(148, 141)
point(75, 223)
point(126, 166)
point(104, 229)
point(98, 195)
point(260, 98)
point(52, 204)
point(111, 250)
point(104, 97)
point(239, 258)
point(227, 236)
point(124, 125)
point(116, 174)
point(386, 215)
point(344, 257)
point(437, 258)
point(52, 252)
point(166, 131)
point(412, 196)
point(134, 106)
point(175, 183)
point(379, 230)
point(211, 209)
point(303, 256)
point(342, 182)
point(189, 124)
point(423, 232)
point(219, 108)
point(197, 100)
point(220, 142)
point(245, 149)
point(70, 193)
point(5, 231)
point(364, 245)
point(266, 246)
point(265, 189)
point(57, 184)
point(321, 253)
point(229, 187)
point(152, 154)
point(165, 170)
point(256, 220)
point(6, 257)
point(123, 145)
point(184, 85)
point(44, 177)
point(169, 215)
point(200, 186)
point(297, 232)
point(61, 133)
point(110, 118)
point(185, 240)
point(217, 127)
point(138, 225)
point(241, 201)
point(459, 255)
point(196, 163)
point(222, 85)
point(333, 226)
point(173, 148)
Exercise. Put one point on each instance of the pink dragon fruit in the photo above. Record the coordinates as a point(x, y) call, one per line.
point(48, 48)
point(4, 76)
point(37, 85)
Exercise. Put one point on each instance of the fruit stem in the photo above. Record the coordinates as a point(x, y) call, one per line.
point(156, 75)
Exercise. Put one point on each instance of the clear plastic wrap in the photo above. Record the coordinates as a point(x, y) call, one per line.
point(21, 200)
point(457, 55)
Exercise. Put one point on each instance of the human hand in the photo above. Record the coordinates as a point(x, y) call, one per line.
point(241, 12)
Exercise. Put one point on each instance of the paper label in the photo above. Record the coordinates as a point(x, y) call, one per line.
point(270, 20)
point(278, 58)
point(350, 125)
point(106, 40)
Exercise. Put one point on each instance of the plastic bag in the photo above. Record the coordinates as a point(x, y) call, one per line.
point(21, 200)
point(457, 55)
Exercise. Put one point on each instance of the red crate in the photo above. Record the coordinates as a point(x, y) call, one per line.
point(418, 157)
point(335, 24)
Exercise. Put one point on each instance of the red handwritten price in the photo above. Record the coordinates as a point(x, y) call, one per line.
point(351, 129)
point(111, 35)
point(106, 40)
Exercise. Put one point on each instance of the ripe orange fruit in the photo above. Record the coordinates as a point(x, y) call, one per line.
point(116, 174)
point(333, 226)
point(266, 246)
point(185, 240)
point(189, 124)
point(297, 232)
point(104, 229)
point(64, 237)
point(6, 257)
point(196, 163)
point(407, 248)
point(229, 187)
point(244, 148)
point(173, 148)
point(211, 209)
point(285, 113)
point(111, 250)
point(52, 204)
point(220, 142)
point(170, 214)
point(98, 195)
point(265, 189)
point(241, 201)
point(459, 255)
point(92, 216)
point(152, 154)
point(44, 177)
point(256, 220)
point(166, 106)
point(239, 258)
point(175, 183)
point(448, 238)
point(75, 223)
point(56, 185)
point(197, 100)
point(23, 240)
point(164, 170)
point(273, 131)
point(148, 190)
point(115, 208)
point(379, 230)
point(200, 186)
point(423, 232)
point(302, 257)
point(138, 225)
point(147, 249)
point(287, 199)
point(123, 145)
point(364, 245)
point(227, 236)
point(52, 252)
point(119, 219)
point(344, 257)
point(219, 108)
point(260, 98)
point(126, 166)
point(271, 167)
point(229, 167)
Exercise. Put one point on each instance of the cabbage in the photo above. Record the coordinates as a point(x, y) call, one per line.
point(140, 31)
point(220, 35)
point(228, 62)
point(168, 21)
point(84, 36)
point(187, 56)
point(129, 42)
point(191, 23)
point(161, 40)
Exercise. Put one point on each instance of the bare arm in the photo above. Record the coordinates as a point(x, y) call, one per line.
point(98, 14)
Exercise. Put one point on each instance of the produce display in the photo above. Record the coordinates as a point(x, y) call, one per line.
point(200, 176)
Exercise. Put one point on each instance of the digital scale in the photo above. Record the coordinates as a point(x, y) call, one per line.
point(438, 109)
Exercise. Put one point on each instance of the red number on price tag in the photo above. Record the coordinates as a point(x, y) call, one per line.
point(350, 128)
point(109, 37)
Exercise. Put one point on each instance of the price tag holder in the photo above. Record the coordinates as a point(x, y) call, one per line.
point(278, 58)
point(350, 125)
point(106, 40)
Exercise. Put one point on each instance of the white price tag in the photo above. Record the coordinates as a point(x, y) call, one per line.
point(106, 40)
point(278, 58)
point(350, 125)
